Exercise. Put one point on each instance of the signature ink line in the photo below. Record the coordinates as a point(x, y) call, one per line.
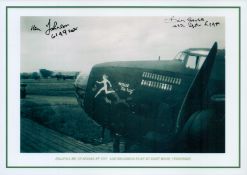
point(54, 27)
point(33, 28)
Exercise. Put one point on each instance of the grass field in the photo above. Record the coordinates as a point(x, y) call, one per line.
point(52, 103)
point(50, 87)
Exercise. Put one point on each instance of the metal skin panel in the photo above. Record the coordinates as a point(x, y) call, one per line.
point(145, 100)
point(137, 101)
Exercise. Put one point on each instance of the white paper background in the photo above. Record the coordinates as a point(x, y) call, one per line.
point(230, 158)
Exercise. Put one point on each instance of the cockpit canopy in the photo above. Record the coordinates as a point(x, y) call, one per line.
point(192, 58)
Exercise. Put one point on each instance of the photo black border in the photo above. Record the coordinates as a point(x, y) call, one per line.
point(128, 7)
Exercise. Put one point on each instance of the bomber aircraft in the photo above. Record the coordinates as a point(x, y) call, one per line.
point(170, 106)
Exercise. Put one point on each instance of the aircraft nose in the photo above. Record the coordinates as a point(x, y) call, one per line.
point(81, 81)
point(80, 88)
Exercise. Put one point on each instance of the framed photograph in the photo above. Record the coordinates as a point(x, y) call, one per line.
point(129, 88)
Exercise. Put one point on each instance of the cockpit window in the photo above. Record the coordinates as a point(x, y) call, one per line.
point(180, 56)
point(195, 62)
point(191, 60)
point(201, 61)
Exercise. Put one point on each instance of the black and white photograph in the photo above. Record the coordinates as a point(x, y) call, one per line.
point(122, 84)
point(126, 89)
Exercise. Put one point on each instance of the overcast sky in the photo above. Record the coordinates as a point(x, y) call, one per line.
point(102, 39)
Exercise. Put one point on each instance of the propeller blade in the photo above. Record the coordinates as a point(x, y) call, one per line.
point(197, 88)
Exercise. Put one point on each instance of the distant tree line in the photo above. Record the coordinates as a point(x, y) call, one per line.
point(33, 75)
point(44, 73)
